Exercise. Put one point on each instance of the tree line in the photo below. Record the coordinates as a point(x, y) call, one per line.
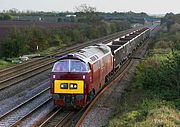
point(91, 25)
point(25, 41)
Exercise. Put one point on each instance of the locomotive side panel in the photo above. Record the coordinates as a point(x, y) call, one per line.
point(95, 76)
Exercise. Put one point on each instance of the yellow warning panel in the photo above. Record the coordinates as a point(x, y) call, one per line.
point(69, 86)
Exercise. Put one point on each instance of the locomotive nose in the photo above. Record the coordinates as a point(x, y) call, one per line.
point(69, 87)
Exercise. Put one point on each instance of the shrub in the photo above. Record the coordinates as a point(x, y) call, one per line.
point(24, 41)
point(160, 75)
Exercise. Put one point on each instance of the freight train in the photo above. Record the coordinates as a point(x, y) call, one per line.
point(78, 76)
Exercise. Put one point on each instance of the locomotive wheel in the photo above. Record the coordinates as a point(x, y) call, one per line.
point(106, 79)
point(91, 95)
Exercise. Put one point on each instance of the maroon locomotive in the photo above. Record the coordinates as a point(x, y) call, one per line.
point(77, 77)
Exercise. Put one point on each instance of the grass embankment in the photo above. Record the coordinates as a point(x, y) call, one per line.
point(5, 64)
point(153, 98)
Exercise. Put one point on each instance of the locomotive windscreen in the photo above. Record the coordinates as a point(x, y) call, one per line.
point(70, 65)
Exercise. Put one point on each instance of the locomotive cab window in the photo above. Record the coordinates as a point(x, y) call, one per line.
point(78, 66)
point(61, 66)
point(70, 65)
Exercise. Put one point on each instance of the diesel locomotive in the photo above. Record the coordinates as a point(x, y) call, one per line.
point(78, 76)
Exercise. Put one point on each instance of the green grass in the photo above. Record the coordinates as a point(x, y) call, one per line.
point(5, 64)
point(141, 108)
point(51, 50)
point(48, 51)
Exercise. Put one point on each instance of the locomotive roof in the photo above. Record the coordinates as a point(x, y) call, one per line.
point(91, 53)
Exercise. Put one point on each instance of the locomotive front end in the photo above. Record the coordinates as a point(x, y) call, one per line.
point(69, 81)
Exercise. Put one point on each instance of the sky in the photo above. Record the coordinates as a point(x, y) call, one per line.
point(147, 6)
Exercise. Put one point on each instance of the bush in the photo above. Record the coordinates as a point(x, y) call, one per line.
point(24, 41)
point(160, 76)
point(4, 64)
point(5, 16)
point(15, 44)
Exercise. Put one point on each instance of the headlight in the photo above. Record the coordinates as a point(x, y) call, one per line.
point(64, 86)
point(73, 86)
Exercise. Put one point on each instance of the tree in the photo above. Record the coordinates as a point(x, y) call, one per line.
point(87, 14)
point(56, 40)
point(15, 45)
point(85, 9)
point(5, 16)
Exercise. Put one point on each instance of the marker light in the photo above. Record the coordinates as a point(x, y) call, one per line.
point(64, 86)
point(73, 86)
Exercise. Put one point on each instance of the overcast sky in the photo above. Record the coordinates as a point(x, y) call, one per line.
point(148, 6)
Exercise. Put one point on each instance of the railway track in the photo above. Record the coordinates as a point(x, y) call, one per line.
point(58, 118)
point(21, 112)
point(18, 73)
point(25, 74)
point(23, 68)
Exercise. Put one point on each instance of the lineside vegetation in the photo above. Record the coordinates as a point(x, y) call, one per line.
point(153, 98)
point(25, 41)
